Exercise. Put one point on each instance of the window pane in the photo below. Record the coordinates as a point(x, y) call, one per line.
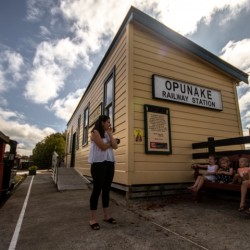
point(85, 136)
point(78, 132)
point(110, 111)
point(86, 117)
point(108, 102)
point(85, 127)
point(109, 92)
point(68, 143)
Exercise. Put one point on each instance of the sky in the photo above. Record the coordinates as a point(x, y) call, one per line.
point(50, 49)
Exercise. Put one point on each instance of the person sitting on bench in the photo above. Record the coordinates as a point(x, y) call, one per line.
point(243, 168)
point(209, 175)
point(243, 193)
point(225, 172)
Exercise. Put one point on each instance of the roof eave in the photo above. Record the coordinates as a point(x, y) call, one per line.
point(167, 33)
point(4, 138)
point(185, 43)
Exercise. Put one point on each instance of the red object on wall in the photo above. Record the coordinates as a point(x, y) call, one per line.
point(3, 141)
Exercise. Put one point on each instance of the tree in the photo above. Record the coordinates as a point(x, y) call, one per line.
point(42, 153)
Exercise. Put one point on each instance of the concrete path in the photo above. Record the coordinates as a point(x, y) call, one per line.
point(70, 179)
point(37, 216)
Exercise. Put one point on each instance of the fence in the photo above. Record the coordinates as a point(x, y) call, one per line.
point(212, 144)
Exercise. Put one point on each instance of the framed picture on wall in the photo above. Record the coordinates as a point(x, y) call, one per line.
point(157, 130)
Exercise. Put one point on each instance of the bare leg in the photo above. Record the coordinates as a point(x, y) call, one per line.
point(93, 224)
point(92, 217)
point(244, 187)
point(106, 216)
point(105, 213)
point(199, 185)
point(196, 183)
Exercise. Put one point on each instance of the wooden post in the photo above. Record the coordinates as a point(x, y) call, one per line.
point(211, 147)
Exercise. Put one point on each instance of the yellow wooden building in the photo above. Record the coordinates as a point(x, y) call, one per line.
point(163, 93)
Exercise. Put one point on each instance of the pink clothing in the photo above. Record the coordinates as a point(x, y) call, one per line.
point(241, 171)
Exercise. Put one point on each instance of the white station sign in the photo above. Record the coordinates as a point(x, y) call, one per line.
point(177, 91)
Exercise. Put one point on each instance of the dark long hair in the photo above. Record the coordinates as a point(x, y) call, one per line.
point(99, 126)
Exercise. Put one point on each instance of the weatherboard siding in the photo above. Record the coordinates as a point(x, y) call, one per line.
point(93, 97)
point(137, 55)
point(189, 123)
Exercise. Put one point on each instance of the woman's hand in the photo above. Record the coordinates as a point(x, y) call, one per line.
point(95, 136)
point(113, 141)
point(110, 131)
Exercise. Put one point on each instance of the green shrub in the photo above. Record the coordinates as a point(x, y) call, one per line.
point(32, 168)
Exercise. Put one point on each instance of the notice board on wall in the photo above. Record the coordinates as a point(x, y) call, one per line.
point(157, 130)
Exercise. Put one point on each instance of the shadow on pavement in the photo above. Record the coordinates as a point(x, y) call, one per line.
point(59, 220)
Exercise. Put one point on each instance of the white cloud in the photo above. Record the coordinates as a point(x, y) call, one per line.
point(3, 101)
point(104, 17)
point(65, 107)
point(182, 16)
point(8, 115)
point(33, 13)
point(71, 54)
point(246, 123)
point(26, 135)
point(238, 54)
point(248, 118)
point(15, 61)
point(44, 31)
point(45, 83)
point(100, 16)
point(244, 100)
point(94, 19)
point(52, 64)
point(37, 8)
point(93, 24)
point(2, 80)
point(11, 64)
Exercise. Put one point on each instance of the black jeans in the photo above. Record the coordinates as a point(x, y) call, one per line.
point(102, 174)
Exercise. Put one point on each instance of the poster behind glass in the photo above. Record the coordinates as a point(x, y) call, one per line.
point(157, 130)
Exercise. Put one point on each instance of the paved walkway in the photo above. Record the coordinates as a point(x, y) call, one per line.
point(37, 216)
point(70, 179)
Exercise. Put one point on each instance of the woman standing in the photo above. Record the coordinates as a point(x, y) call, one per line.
point(101, 158)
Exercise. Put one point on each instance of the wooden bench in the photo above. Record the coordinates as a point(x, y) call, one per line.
point(233, 155)
point(215, 185)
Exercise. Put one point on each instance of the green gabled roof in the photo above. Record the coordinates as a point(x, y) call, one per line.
point(170, 35)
